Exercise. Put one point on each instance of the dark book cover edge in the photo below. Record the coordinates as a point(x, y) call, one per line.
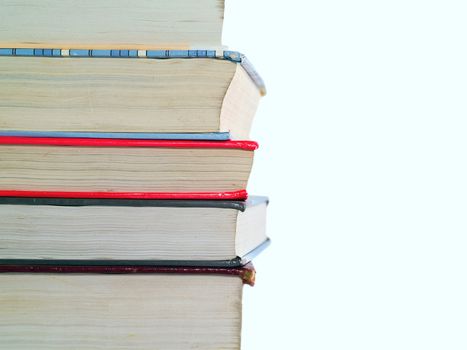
point(180, 203)
point(247, 273)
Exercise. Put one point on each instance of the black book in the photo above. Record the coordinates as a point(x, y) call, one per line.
point(47, 231)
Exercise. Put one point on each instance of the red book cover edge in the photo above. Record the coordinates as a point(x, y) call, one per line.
point(233, 195)
point(247, 273)
point(96, 142)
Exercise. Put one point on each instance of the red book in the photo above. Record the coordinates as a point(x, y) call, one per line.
point(124, 168)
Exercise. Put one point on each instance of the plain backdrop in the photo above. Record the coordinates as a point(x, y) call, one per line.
point(363, 152)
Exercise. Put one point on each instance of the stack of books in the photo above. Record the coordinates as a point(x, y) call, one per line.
point(124, 159)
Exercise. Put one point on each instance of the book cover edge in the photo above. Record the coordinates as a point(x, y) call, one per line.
point(167, 203)
point(208, 136)
point(229, 195)
point(246, 273)
point(245, 145)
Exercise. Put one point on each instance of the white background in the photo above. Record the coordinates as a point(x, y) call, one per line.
point(363, 154)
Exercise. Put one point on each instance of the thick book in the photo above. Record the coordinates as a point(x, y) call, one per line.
point(52, 92)
point(122, 232)
point(178, 24)
point(117, 168)
point(121, 307)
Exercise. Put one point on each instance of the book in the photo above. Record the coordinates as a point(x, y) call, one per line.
point(131, 232)
point(100, 307)
point(47, 92)
point(116, 168)
point(179, 24)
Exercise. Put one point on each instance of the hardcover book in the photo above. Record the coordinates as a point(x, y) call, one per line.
point(131, 232)
point(52, 93)
point(115, 168)
point(176, 24)
point(98, 307)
